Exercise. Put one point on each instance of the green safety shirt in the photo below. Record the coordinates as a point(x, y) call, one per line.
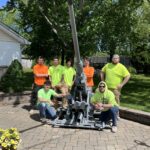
point(69, 73)
point(56, 74)
point(46, 94)
point(107, 97)
point(114, 74)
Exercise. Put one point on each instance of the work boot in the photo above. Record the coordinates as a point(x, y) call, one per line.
point(43, 120)
point(114, 129)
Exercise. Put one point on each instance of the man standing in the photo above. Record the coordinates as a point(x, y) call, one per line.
point(40, 72)
point(115, 75)
point(104, 100)
point(56, 77)
point(55, 73)
point(69, 74)
point(89, 73)
point(45, 105)
point(68, 80)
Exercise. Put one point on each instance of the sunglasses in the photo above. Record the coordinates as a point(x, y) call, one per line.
point(102, 86)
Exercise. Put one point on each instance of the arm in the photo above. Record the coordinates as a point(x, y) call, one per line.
point(37, 74)
point(125, 80)
point(62, 79)
point(59, 95)
point(43, 100)
point(41, 75)
point(50, 79)
point(101, 106)
point(102, 75)
point(74, 78)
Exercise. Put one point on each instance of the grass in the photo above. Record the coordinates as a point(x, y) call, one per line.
point(136, 93)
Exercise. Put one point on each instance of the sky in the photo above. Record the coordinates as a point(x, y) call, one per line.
point(3, 2)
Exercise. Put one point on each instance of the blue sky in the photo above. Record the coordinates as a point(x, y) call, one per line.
point(3, 2)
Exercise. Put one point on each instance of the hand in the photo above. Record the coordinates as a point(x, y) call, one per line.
point(96, 106)
point(51, 103)
point(119, 87)
point(63, 95)
point(99, 106)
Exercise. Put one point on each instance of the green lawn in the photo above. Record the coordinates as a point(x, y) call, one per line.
point(136, 93)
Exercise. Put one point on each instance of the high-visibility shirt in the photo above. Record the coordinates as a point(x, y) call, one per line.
point(114, 74)
point(56, 73)
point(69, 73)
point(107, 97)
point(46, 94)
point(40, 69)
point(89, 73)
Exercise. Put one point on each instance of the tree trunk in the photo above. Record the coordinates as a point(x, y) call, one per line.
point(62, 56)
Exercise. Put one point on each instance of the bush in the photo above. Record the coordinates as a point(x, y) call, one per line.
point(132, 70)
point(12, 81)
point(9, 138)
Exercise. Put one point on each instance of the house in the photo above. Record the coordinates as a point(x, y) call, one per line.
point(11, 46)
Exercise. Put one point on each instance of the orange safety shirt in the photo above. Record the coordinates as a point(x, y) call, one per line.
point(89, 73)
point(40, 69)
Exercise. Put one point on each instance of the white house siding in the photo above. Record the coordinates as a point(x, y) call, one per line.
point(9, 49)
point(26, 63)
point(5, 37)
point(8, 52)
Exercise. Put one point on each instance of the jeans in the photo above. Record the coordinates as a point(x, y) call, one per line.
point(47, 111)
point(34, 94)
point(105, 116)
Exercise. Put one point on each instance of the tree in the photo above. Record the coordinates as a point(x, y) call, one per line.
point(141, 38)
point(13, 81)
point(10, 18)
point(105, 25)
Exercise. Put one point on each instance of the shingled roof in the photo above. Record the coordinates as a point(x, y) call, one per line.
point(5, 28)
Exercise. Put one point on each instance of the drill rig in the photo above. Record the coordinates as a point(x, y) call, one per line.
point(77, 115)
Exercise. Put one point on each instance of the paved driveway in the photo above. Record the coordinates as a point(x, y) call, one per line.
point(36, 136)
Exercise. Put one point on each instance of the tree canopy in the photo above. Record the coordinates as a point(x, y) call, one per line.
point(103, 25)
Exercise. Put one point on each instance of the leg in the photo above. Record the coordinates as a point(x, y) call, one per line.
point(117, 95)
point(34, 94)
point(42, 109)
point(64, 89)
point(113, 115)
point(51, 112)
point(89, 89)
point(104, 116)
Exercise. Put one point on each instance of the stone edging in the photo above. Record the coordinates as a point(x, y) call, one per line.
point(130, 114)
point(135, 115)
point(15, 98)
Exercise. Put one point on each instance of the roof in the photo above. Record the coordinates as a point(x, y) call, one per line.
point(13, 34)
point(98, 59)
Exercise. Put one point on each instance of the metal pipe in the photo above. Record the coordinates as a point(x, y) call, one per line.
point(75, 38)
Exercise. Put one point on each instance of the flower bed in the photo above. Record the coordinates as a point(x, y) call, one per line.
point(9, 139)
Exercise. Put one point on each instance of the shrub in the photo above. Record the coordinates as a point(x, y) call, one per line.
point(132, 70)
point(12, 81)
point(9, 138)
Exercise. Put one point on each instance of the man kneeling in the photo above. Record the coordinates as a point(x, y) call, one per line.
point(45, 105)
point(104, 100)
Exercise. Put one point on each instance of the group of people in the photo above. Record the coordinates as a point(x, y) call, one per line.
point(57, 80)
